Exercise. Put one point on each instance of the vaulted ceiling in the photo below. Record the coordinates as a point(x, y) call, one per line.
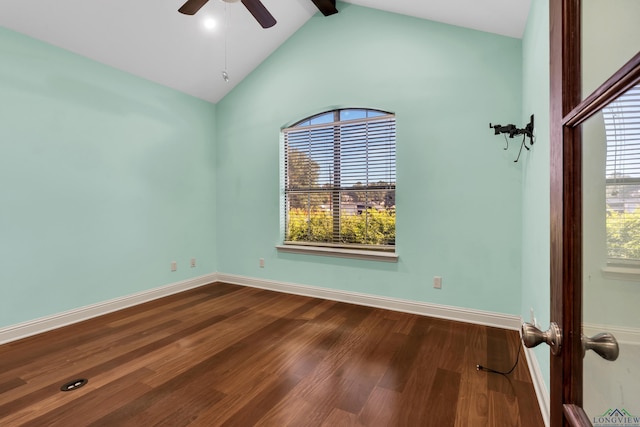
point(150, 39)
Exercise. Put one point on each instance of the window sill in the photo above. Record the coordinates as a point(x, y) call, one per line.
point(622, 272)
point(339, 252)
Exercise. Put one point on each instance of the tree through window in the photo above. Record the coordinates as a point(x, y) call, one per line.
point(340, 179)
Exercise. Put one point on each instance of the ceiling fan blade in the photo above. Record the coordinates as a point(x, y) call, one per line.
point(262, 15)
point(327, 7)
point(192, 6)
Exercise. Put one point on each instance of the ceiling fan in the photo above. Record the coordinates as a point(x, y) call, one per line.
point(257, 9)
point(327, 7)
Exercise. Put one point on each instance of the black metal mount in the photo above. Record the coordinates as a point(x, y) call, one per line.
point(512, 131)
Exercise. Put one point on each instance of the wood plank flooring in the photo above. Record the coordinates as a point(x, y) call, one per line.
point(226, 355)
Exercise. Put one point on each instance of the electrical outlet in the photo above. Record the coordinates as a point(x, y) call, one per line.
point(437, 282)
point(261, 262)
point(174, 266)
point(193, 262)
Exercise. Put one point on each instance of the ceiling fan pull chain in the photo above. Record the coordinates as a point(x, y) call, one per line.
point(225, 75)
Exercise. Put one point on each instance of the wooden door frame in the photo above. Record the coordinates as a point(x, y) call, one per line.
point(567, 113)
point(566, 206)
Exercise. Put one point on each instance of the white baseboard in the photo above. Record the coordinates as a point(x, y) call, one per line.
point(479, 317)
point(47, 323)
point(43, 324)
point(539, 384)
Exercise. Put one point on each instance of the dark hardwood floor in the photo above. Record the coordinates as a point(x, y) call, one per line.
point(226, 355)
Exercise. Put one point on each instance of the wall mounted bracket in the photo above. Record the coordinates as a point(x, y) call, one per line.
point(512, 131)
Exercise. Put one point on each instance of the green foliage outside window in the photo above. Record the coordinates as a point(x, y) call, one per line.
point(373, 227)
point(623, 235)
point(314, 227)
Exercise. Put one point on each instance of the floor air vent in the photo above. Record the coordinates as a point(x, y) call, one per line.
point(72, 385)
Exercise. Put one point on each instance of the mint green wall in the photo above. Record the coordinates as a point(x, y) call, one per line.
point(105, 179)
point(459, 194)
point(108, 177)
point(535, 175)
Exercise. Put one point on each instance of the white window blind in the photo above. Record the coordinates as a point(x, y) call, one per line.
point(340, 179)
point(622, 127)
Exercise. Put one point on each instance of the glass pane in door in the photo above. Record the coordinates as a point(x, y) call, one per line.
point(610, 38)
point(611, 259)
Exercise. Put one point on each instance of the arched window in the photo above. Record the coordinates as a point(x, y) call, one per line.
point(340, 180)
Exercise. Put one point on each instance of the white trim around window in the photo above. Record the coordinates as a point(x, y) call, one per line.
point(338, 252)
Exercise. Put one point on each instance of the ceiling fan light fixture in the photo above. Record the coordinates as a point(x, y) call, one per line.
point(209, 23)
point(255, 7)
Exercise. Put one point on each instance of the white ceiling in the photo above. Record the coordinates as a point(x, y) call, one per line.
point(150, 39)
